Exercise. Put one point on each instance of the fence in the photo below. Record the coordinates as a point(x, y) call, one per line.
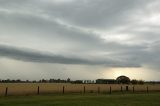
point(63, 88)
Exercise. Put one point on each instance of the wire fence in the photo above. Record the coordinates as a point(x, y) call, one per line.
point(64, 88)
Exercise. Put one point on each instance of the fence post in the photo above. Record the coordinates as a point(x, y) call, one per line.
point(84, 89)
point(147, 89)
point(110, 91)
point(133, 89)
point(126, 88)
point(63, 89)
point(6, 93)
point(38, 90)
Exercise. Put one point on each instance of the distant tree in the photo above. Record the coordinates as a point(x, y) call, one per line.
point(134, 81)
point(27, 81)
point(8, 80)
point(68, 80)
point(34, 81)
point(51, 80)
point(123, 80)
point(18, 80)
point(13, 81)
point(78, 82)
point(59, 80)
point(141, 82)
point(44, 81)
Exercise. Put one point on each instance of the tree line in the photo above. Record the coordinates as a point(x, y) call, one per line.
point(119, 80)
point(68, 80)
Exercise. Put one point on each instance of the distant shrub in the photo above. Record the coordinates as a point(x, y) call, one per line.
point(134, 81)
point(123, 80)
point(141, 82)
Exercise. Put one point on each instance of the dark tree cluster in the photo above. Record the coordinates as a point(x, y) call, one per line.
point(123, 80)
point(11, 81)
point(68, 80)
point(52, 81)
point(126, 80)
point(119, 80)
point(34, 81)
point(134, 82)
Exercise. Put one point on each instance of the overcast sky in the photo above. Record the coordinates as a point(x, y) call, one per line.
point(79, 39)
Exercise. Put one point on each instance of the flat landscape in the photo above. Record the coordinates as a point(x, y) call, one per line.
point(79, 52)
point(151, 99)
point(52, 88)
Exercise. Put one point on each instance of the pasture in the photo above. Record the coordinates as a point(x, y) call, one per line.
point(151, 99)
point(67, 88)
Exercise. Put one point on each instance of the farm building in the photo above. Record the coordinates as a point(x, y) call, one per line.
point(105, 81)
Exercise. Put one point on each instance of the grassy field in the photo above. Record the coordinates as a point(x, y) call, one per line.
point(152, 99)
point(31, 88)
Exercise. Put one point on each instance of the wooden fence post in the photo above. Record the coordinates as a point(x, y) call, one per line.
point(110, 90)
point(63, 89)
point(126, 88)
point(6, 93)
point(84, 89)
point(38, 90)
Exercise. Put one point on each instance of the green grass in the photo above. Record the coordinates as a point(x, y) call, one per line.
point(152, 99)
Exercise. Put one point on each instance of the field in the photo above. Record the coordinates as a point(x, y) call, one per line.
point(63, 94)
point(151, 99)
point(54, 88)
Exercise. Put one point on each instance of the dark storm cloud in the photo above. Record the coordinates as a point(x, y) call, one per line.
point(36, 56)
point(30, 55)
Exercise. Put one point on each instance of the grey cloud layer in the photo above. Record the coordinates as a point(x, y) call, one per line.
point(36, 56)
point(69, 29)
point(30, 55)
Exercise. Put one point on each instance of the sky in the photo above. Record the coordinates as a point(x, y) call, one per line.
point(79, 39)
